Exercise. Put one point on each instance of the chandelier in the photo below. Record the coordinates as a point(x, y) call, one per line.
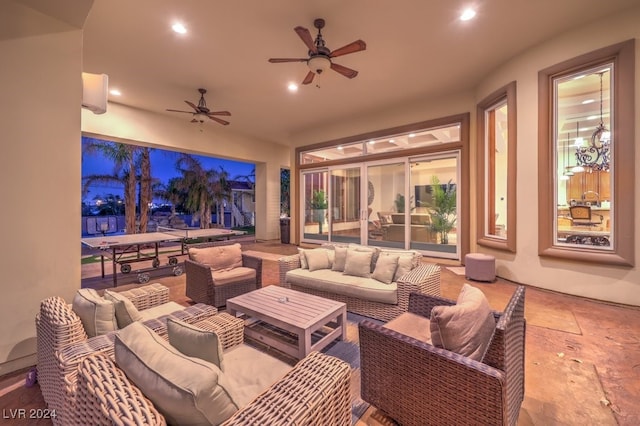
point(596, 155)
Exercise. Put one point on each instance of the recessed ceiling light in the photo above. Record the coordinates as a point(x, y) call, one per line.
point(371, 142)
point(340, 148)
point(179, 28)
point(412, 135)
point(592, 117)
point(468, 14)
point(115, 92)
point(588, 101)
point(292, 87)
point(392, 141)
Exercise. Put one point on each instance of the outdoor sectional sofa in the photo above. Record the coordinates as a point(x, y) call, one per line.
point(366, 289)
point(92, 380)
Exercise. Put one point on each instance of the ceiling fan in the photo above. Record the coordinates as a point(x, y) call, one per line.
point(201, 112)
point(320, 56)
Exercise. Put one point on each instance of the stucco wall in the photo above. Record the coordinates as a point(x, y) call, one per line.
point(617, 284)
point(40, 175)
point(131, 125)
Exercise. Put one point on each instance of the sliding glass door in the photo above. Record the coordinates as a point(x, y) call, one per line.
point(345, 203)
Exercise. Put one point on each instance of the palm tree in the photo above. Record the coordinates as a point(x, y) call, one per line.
point(220, 185)
point(195, 182)
point(123, 157)
point(145, 186)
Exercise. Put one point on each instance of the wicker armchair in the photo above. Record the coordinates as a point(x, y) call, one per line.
point(416, 383)
point(315, 392)
point(201, 284)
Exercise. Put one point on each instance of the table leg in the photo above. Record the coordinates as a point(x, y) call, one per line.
point(342, 323)
point(304, 344)
point(114, 262)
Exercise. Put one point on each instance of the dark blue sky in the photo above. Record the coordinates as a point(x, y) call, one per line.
point(163, 167)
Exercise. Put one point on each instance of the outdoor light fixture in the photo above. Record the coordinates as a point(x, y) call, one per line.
point(597, 154)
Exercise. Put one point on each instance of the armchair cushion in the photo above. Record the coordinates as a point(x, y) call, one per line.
point(412, 325)
point(98, 315)
point(466, 327)
point(195, 342)
point(185, 390)
point(126, 312)
point(218, 258)
point(233, 275)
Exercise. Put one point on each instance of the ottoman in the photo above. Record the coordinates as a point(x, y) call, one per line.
point(480, 267)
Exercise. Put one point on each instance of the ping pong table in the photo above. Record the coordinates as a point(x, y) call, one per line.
point(119, 248)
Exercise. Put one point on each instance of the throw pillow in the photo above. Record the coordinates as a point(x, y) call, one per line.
point(317, 259)
point(385, 269)
point(186, 390)
point(374, 250)
point(303, 259)
point(340, 259)
point(126, 312)
point(98, 315)
point(192, 341)
point(218, 258)
point(358, 263)
point(466, 327)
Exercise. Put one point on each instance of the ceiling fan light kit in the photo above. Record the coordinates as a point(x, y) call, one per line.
point(320, 57)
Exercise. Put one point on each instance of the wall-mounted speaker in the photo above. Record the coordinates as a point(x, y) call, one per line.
point(95, 89)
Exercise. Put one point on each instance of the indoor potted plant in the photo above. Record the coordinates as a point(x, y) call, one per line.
point(318, 205)
point(443, 212)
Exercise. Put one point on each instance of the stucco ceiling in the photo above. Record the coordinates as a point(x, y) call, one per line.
point(416, 49)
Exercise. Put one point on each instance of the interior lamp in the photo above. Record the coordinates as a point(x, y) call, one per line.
point(319, 63)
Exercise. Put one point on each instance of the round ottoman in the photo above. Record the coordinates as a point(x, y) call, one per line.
point(480, 267)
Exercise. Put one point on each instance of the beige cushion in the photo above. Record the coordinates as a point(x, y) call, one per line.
point(160, 310)
point(192, 341)
point(218, 258)
point(126, 312)
point(233, 275)
point(186, 390)
point(98, 315)
point(303, 259)
point(385, 269)
point(466, 327)
point(251, 371)
point(317, 259)
point(358, 263)
point(340, 259)
point(373, 250)
point(411, 325)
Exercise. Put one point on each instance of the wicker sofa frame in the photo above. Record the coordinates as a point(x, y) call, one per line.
point(441, 387)
point(62, 344)
point(201, 286)
point(315, 392)
point(425, 278)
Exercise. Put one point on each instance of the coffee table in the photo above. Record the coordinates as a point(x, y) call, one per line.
point(315, 321)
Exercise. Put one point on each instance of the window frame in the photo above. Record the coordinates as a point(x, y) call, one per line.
point(506, 93)
point(623, 56)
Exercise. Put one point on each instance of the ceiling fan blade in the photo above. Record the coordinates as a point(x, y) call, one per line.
point(192, 105)
point(177, 110)
point(224, 123)
point(278, 60)
point(227, 113)
point(356, 46)
point(305, 35)
point(347, 72)
point(309, 78)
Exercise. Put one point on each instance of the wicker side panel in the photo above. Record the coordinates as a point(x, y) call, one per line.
point(254, 263)
point(437, 386)
point(315, 392)
point(106, 397)
point(57, 327)
point(148, 296)
point(425, 278)
point(198, 281)
point(286, 264)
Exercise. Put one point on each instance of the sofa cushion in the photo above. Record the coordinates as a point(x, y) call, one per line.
point(184, 389)
point(358, 263)
point(411, 325)
point(466, 327)
point(233, 275)
point(126, 312)
point(374, 250)
point(317, 259)
point(385, 269)
point(251, 371)
point(218, 258)
point(340, 259)
point(98, 315)
point(195, 342)
point(345, 285)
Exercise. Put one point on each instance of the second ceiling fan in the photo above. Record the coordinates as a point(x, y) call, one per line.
point(320, 57)
point(201, 111)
